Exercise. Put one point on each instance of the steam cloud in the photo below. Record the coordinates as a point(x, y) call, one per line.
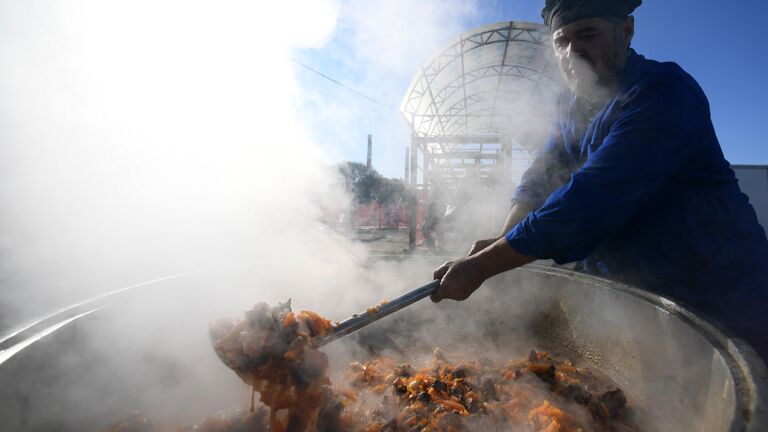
point(145, 138)
point(158, 137)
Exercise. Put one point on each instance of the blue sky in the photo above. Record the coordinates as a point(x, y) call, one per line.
point(378, 48)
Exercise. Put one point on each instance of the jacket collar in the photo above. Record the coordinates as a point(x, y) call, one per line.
point(632, 70)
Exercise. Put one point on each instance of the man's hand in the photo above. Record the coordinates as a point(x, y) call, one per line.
point(458, 279)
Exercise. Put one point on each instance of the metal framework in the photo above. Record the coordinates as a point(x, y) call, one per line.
point(481, 105)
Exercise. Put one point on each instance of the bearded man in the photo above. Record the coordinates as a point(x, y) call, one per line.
point(632, 182)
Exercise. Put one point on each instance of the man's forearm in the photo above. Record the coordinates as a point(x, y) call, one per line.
point(500, 257)
point(516, 214)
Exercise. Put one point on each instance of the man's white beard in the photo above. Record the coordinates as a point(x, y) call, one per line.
point(584, 81)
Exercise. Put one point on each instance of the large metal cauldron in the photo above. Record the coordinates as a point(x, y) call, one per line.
point(150, 353)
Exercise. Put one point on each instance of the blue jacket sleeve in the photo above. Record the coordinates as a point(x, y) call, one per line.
point(652, 136)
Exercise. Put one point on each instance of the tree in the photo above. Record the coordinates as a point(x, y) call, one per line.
point(366, 185)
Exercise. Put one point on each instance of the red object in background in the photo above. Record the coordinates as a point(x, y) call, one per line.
point(386, 216)
point(391, 216)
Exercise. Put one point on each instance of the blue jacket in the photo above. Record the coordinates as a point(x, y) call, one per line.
point(643, 194)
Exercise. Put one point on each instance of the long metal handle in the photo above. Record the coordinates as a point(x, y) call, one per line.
point(358, 321)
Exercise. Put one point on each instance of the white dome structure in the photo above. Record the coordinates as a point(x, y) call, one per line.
point(482, 104)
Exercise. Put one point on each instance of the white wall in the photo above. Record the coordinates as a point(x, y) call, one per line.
point(753, 180)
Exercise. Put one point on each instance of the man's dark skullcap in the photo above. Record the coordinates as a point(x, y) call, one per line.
point(557, 13)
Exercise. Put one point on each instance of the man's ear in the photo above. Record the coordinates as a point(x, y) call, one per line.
point(628, 30)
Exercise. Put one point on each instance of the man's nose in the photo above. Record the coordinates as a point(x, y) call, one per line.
point(575, 51)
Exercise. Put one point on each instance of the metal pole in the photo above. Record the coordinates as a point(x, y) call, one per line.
point(370, 151)
point(407, 176)
point(414, 163)
point(413, 200)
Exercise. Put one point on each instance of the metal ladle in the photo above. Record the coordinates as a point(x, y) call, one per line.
point(358, 321)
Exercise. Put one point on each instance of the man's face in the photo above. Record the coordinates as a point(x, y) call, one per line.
point(592, 52)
